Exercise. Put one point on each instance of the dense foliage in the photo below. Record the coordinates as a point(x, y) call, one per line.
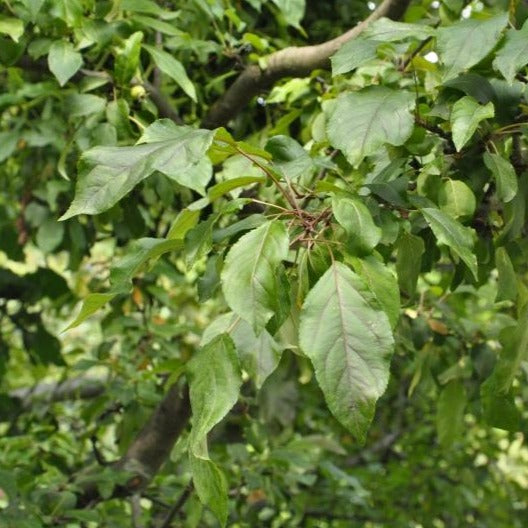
point(299, 253)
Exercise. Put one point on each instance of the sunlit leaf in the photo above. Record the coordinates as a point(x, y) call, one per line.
point(348, 339)
point(465, 43)
point(251, 267)
point(361, 122)
point(465, 118)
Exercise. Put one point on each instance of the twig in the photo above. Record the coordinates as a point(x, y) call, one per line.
point(290, 199)
point(136, 510)
point(177, 507)
point(420, 47)
point(163, 105)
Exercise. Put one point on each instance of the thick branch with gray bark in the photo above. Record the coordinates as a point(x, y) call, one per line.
point(76, 388)
point(289, 62)
point(149, 450)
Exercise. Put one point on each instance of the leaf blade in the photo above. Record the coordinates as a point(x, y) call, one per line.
point(250, 266)
point(349, 340)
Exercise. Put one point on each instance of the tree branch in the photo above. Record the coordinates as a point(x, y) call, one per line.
point(182, 499)
point(151, 447)
point(163, 105)
point(290, 62)
point(80, 387)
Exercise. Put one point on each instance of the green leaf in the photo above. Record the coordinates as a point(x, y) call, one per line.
point(473, 85)
point(211, 486)
point(353, 54)
point(499, 410)
point(33, 6)
point(513, 55)
point(467, 42)
point(139, 252)
point(348, 339)
point(246, 224)
point(185, 221)
point(357, 122)
point(465, 118)
point(117, 170)
point(64, 61)
point(292, 10)
point(224, 187)
point(382, 283)
point(514, 342)
point(289, 157)
point(91, 303)
point(455, 236)
point(357, 221)
point(457, 199)
point(409, 262)
point(387, 30)
point(505, 177)
point(507, 281)
point(50, 235)
point(214, 385)
point(8, 143)
point(450, 413)
point(80, 105)
point(159, 25)
point(13, 27)
point(127, 58)
point(173, 68)
point(143, 6)
point(199, 240)
point(259, 355)
point(249, 277)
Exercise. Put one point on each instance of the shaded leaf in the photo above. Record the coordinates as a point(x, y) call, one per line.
point(288, 156)
point(505, 177)
point(454, 235)
point(409, 262)
point(507, 280)
point(450, 413)
point(139, 252)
